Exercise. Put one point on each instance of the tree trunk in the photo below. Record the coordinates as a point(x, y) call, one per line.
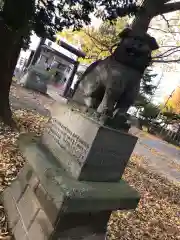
point(143, 18)
point(9, 51)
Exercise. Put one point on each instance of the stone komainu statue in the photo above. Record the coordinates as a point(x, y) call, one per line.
point(111, 85)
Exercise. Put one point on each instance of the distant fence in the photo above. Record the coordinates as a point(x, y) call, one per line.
point(166, 134)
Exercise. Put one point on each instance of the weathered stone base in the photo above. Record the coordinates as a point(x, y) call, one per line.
point(27, 219)
point(45, 203)
point(86, 149)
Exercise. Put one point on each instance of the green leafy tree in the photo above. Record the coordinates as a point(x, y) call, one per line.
point(147, 89)
point(141, 101)
point(150, 112)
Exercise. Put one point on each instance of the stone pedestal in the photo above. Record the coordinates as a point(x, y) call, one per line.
point(72, 180)
point(86, 149)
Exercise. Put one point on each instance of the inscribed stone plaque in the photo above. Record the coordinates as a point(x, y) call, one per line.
point(86, 149)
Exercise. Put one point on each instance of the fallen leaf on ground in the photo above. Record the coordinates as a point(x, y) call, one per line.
point(157, 216)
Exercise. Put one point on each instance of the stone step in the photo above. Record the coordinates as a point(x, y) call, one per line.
point(60, 186)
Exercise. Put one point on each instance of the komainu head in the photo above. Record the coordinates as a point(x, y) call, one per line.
point(135, 50)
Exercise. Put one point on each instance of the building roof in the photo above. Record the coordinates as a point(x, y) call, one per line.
point(59, 54)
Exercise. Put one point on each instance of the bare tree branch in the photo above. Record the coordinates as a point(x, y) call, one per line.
point(168, 52)
point(166, 61)
point(161, 57)
point(166, 1)
point(169, 7)
point(158, 29)
point(164, 31)
point(168, 46)
point(167, 22)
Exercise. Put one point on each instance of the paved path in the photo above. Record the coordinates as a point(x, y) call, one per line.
point(158, 144)
point(160, 155)
point(163, 147)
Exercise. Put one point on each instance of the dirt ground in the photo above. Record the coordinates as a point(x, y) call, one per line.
point(22, 98)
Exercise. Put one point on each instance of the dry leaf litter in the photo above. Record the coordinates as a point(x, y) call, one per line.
point(157, 215)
